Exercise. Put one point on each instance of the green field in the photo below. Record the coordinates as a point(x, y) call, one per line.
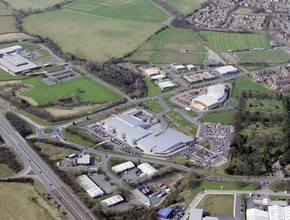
point(4, 76)
point(226, 117)
point(48, 131)
point(85, 88)
point(181, 123)
point(21, 201)
point(140, 10)
point(99, 30)
point(166, 99)
point(25, 4)
point(214, 204)
point(43, 54)
point(246, 84)
point(185, 6)
point(275, 56)
point(264, 105)
point(4, 11)
point(153, 106)
point(5, 171)
point(153, 90)
point(164, 48)
point(222, 41)
point(7, 24)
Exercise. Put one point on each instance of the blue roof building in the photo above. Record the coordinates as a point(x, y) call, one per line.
point(165, 213)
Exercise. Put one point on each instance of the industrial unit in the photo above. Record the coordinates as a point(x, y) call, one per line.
point(114, 200)
point(90, 187)
point(214, 97)
point(147, 169)
point(226, 70)
point(123, 167)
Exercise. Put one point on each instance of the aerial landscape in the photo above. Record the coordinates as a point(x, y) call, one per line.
point(145, 109)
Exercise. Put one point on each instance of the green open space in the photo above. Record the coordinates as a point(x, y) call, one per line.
point(274, 57)
point(153, 106)
point(7, 24)
point(26, 4)
point(153, 90)
point(274, 197)
point(212, 204)
point(245, 83)
point(185, 6)
point(246, 11)
point(280, 185)
point(85, 88)
point(4, 11)
point(43, 54)
point(181, 123)
point(48, 131)
point(94, 36)
point(225, 117)
point(192, 114)
point(78, 136)
point(97, 157)
point(264, 105)
point(21, 201)
point(223, 41)
point(164, 47)
point(142, 10)
point(4, 76)
point(5, 171)
point(166, 99)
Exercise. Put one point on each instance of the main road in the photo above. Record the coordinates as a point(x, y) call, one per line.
point(49, 179)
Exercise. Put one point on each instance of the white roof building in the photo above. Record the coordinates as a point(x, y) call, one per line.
point(11, 49)
point(157, 77)
point(152, 71)
point(224, 70)
point(164, 142)
point(178, 67)
point(123, 166)
point(190, 67)
point(215, 96)
point(147, 169)
point(279, 213)
point(89, 186)
point(112, 201)
point(256, 214)
point(166, 85)
point(84, 159)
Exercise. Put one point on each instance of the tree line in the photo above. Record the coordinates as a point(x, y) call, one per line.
point(9, 158)
point(19, 124)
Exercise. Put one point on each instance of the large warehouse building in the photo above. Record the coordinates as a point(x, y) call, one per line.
point(14, 63)
point(90, 187)
point(226, 70)
point(164, 142)
point(215, 96)
point(135, 132)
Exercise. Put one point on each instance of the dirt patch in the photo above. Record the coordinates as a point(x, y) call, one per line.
point(55, 153)
point(171, 179)
point(74, 111)
point(14, 37)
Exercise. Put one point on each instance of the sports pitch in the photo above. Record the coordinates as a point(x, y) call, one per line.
point(222, 41)
point(85, 88)
point(95, 34)
point(165, 48)
point(275, 56)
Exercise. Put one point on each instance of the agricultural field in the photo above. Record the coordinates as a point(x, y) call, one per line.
point(5, 171)
point(140, 10)
point(181, 123)
point(185, 6)
point(85, 88)
point(14, 37)
point(25, 4)
point(274, 57)
point(226, 117)
point(25, 204)
point(164, 47)
point(222, 41)
point(7, 21)
point(245, 83)
point(99, 31)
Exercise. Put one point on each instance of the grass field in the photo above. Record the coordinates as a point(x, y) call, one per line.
point(140, 10)
point(25, 4)
point(181, 123)
point(166, 99)
point(246, 11)
point(153, 90)
point(222, 41)
point(275, 56)
point(4, 11)
point(164, 48)
point(4, 76)
point(99, 30)
point(48, 131)
point(246, 84)
point(85, 88)
point(226, 117)
point(264, 105)
point(5, 171)
point(25, 204)
point(153, 106)
point(185, 6)
point(212, 204)
point(7, 24)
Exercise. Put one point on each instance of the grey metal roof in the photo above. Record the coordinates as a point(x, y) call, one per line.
point(131, 120)
point(16, 63)
point(195, 214)
point(164, 141)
